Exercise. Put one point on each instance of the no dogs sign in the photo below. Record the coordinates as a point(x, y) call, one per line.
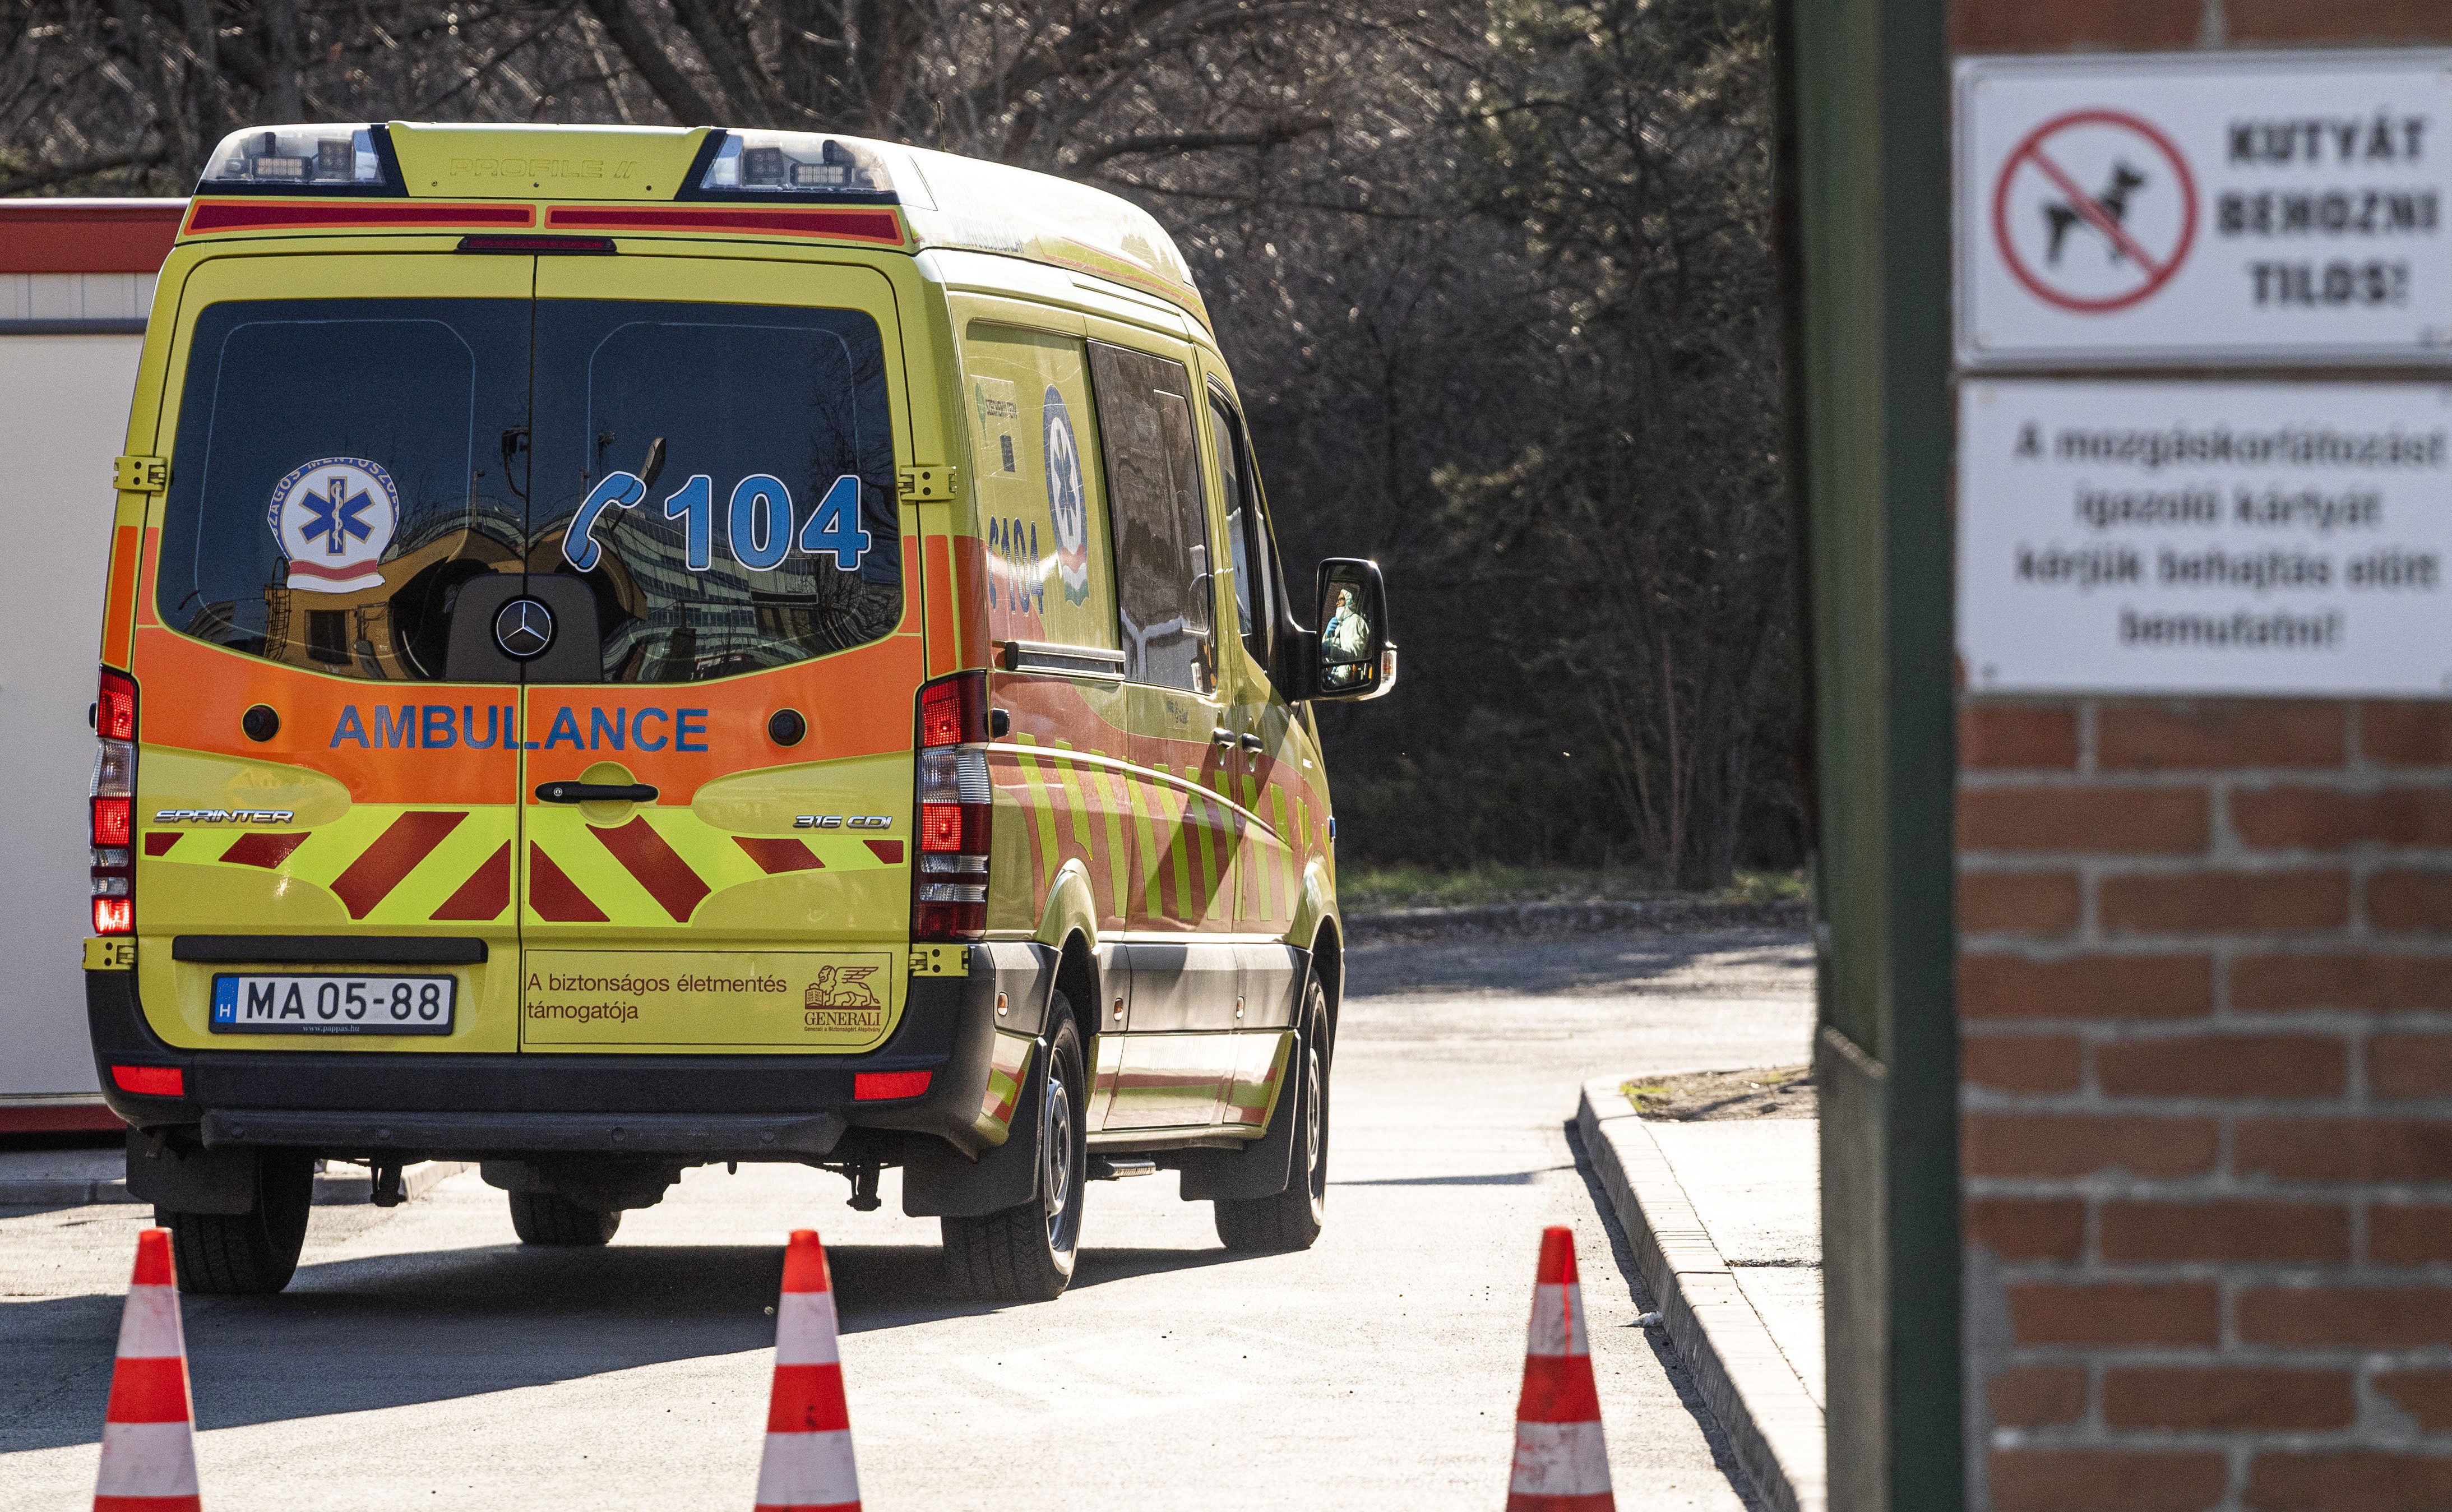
point(2275, 207)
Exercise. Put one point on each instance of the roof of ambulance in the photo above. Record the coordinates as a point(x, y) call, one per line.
point(945, 200)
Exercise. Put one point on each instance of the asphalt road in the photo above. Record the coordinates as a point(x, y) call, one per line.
point(421, 1359)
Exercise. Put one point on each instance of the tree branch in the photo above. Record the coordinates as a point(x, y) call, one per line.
point(688, 104)
point(33, 179)
point(1277, 133)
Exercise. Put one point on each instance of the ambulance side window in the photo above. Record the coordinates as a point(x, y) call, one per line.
point(1163, 572)
point(1043, 519)
point(1246, 535)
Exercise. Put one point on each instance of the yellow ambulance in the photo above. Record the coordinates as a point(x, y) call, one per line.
point(626, 649)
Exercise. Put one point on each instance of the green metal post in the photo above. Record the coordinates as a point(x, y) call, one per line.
point(1865, 229)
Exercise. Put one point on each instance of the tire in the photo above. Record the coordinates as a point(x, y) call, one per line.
point(249, 1254)
point(1026, 1252)
point(1292, 1220)
point(550, 1219)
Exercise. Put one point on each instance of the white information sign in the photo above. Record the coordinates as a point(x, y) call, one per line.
point(2230, 208)
point(2205, 538)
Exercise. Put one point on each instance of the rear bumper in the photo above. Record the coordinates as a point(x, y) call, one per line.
point(704, 1106)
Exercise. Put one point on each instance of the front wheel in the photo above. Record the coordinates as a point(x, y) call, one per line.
point(1025, 1253)
point(1292, 1220)
point(253, 1253)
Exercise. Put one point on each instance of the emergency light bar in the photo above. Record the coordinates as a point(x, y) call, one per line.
point(329, 159)
point(791, 164)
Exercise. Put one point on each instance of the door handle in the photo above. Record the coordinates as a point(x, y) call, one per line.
point(594, 793)
point(1223, 736)
point(1255, 744)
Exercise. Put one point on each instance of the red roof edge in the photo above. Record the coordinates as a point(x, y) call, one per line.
point(87, 235)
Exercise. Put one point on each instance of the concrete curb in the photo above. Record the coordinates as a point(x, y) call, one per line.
point(1774, 1428)
point(335, 1187)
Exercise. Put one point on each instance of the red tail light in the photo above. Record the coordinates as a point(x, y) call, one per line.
point(150, 1081)
point(949, 882)
point(111, 809)
point(871, 1086)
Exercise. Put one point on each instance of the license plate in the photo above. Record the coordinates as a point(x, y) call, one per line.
point(332, 1005)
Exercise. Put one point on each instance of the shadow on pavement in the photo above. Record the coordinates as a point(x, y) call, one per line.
point(393, 1330)
point(1725, 962)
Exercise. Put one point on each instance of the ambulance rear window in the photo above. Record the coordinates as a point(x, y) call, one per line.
point(721, 477)
point(740, 463)
point(339, 474)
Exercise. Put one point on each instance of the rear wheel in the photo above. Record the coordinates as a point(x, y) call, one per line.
point(1292, 1220)
point(549, 1218)
point(1025, 1253)
point(253, 1253)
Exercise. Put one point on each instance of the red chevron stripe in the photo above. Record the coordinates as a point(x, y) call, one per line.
point(395, 853)
point(486, 892)
point(258, 850)
point(555, 897)
point(160, 842)
point(659, 868)
point(888, 851)
point(774, 856)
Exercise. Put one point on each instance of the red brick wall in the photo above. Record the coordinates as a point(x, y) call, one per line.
point(2205, 993)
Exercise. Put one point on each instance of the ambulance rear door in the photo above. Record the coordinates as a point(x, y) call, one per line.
point(718, 781)
point(328, 776)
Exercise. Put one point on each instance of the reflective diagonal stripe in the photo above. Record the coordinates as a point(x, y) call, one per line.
point(411, 838)
point(1043, 814)
point(1137, 802)
point(657, 867)
point(1288, 879)
point(777, 856)
point(553, 897)
point(160, 842)
point(1112, 799)
point(266, 850)
point(486, 892)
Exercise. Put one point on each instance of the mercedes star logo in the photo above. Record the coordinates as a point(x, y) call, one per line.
point(523, 628)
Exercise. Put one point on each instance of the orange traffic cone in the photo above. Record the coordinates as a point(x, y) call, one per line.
point(807, 1467)
point(148, 1434)
point(1561, 1464)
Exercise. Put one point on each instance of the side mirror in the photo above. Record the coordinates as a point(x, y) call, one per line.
point(1353, 658)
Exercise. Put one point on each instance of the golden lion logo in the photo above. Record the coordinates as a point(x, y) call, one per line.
point(841, 987)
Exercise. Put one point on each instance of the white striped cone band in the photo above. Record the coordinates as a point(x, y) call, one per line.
point(146, 1460)
point(803, 1472)
point(1560, 1458)
point(1557, 1322)
point(149, 1327)
point(804, 1329)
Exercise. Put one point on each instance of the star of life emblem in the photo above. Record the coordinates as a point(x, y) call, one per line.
point(333, 519)
point(1067, 503)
